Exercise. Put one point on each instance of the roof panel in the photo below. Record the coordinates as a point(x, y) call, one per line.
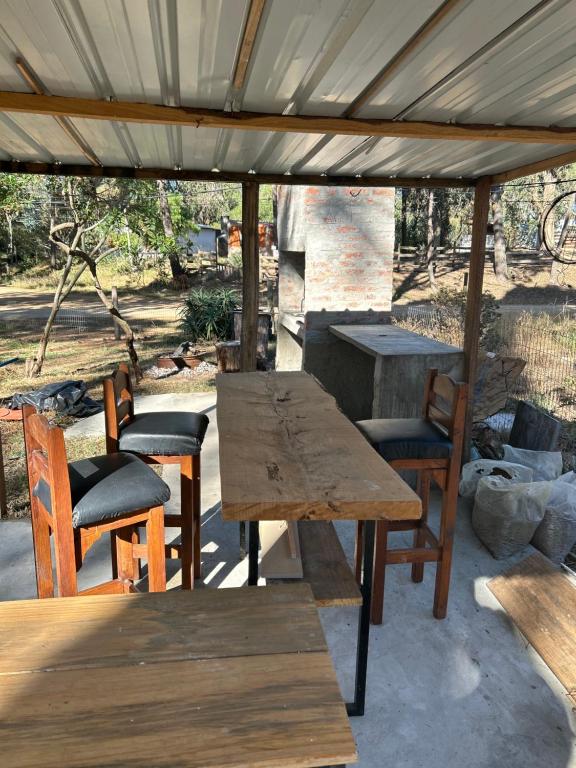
point(310, 57)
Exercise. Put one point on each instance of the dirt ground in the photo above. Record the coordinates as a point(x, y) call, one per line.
point(529, 282)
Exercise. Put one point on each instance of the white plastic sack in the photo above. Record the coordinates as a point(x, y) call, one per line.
point(507, 514)
point(475, 470)
point(556, 534)
point(547, 465)
point(568, 477)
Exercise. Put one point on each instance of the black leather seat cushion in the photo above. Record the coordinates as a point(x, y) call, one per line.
point(173, 433)
point(406, 438)
point(106, 487)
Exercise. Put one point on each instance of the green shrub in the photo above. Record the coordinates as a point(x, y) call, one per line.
point(207, 315)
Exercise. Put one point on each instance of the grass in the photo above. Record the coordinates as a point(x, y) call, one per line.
point(89, 357)
point(111, 272)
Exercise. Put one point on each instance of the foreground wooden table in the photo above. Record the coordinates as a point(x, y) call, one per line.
point(231, 678)
point(288, 453)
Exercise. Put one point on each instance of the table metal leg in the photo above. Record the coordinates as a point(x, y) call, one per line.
point(356, 707)
point(253, 546)
point(242, 534)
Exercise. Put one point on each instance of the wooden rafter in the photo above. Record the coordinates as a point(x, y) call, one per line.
point(376, 85)
point(157, 114)
point(38, 87)
point(536, 167)
point(247, 42)
point(55, 169)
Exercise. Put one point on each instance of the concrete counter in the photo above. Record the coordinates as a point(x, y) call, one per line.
point(400, 360)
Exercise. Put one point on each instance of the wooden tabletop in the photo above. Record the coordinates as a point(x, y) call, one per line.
point(288, 453)
point(391, 340)
point(231, 678)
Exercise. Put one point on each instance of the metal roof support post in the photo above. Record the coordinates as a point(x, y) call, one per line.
point(250, 276)
point(474, 295)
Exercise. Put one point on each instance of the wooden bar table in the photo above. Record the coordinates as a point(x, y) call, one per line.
point(228, 678)
point(288, 453)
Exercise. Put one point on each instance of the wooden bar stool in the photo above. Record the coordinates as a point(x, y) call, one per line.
point(80, 501)
point(432, 446)
point(171, 437)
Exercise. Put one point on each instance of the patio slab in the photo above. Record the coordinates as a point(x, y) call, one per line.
point(466, 691)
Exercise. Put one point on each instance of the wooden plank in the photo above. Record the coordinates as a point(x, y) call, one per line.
point(542, 603)
point(325, 567)
point(247, 43)
point(535, 167)
point(422, 34)
point(235, 177)
point(110, 630)
point(71, 131)
point(250, 712)
point(197, 117)
point(288, 453)
point(280, 551)
point(250, 277)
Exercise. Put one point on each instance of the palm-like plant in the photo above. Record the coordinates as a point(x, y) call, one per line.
point(207, 315)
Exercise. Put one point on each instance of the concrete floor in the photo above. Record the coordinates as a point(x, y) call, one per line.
point(466, 691)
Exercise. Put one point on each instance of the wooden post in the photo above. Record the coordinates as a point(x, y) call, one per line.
point(474, 296)
point(250, 276)
point(115, 304)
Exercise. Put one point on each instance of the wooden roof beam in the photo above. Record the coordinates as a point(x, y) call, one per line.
point(157, 114)
point(247, 43)
point(56, 169)
point(38, 87)
point(407, 49)
point(535, 167)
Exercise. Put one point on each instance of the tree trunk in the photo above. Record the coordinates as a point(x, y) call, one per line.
point(431, 240)
point(404, 219)
point(175, 265)
point(500, 256)
point(120, 321)
point(11, 259)
point(59, 296)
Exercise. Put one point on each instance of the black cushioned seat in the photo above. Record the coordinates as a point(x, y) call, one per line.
point(406, 439)
point(173, 433)
point(106, 487)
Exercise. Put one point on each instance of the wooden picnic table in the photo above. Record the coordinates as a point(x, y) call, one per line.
point(231, 678)
point(288, 453)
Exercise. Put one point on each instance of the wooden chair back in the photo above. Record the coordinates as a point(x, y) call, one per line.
point(46, 461)
point(445, 402)
point(118, 405)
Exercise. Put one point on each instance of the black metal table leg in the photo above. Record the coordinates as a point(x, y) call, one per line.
point(253, 546)
point(356, 707)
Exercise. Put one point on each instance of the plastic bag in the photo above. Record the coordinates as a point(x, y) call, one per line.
point(475, 470)
point(68, 397)
point(556, 534)
point(547, 465)
point(507, 514)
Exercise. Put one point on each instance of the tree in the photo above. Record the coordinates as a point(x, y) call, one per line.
point(81, 231)
point(500, 257)
point(433, 233)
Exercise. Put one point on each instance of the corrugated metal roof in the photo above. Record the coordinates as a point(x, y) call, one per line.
point(487, 61)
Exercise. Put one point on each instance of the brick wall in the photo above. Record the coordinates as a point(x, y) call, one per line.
point(348, 238)
point(349, 248)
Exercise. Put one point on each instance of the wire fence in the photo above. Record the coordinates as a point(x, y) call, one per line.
point(546, 341)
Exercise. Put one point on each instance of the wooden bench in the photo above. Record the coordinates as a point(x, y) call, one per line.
point(324, 566)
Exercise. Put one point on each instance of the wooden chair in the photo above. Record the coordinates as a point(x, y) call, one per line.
point(78, 502)
point(172, 437)
point(432, 446)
